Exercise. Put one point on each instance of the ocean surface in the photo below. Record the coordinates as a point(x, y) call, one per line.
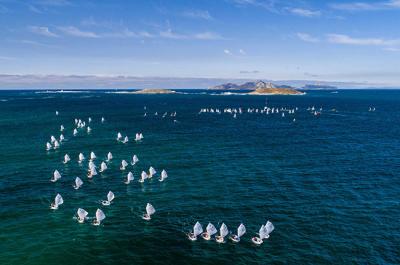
point(329, 183)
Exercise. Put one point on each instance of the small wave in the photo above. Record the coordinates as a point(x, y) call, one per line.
point(61, 91)
point(3, 100)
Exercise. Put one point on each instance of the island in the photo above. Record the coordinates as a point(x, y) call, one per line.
point(261, 88)
point(155, 91)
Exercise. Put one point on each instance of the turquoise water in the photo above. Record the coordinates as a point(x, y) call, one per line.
point(330, 184)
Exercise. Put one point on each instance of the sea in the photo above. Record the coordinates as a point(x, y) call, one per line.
point(328, 179)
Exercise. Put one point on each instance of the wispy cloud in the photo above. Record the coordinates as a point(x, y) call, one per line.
point(348, 40)
point(53, 2)
point(365, 6)
point(305, 12)
point(75, 32)
point(227, 52)
point(198, 14)
point(44, 31)
point(242, 52)
point(269, 5)
point(249, 72)
point(306, 37)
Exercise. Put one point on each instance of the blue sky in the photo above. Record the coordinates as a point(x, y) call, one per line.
point(331, 40)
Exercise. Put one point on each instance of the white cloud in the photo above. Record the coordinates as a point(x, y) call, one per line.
point(365, 6)
point(207, 36)
point(306, 37)
point(44, 31)
point(305, 12)
point(345, 39)
point(199, 14)
point(73, 31)
point(242, 52)
point(228, 52)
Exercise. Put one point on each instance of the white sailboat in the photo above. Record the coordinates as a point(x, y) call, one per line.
point(92, 156)
point(62, 138)
point(75, 132)
point(126, 139)
point(48, 146)
point(210, 231)
point(56, 176)
point(66, 159)
point(149, 211)
point(263, 233)
point(89, 120)
point(119, 136)
point(78, 183)
point(240, 232)
point(197, 230)
point(110, 197)
point(143, 177)
point(124, 164)
point(88, 129)
point(135, 159)
point(100, 216)
point(62, 128)
point(103, 120)
point(82, 215)
point(92, 172)
point(129, 178)
point(56, 144)
point(58, 200)
point(164, 175)
point(152, 172)
point(81, 157)
point(109, 157)
point(52, 139)
point(103, 167)
point(223, 232)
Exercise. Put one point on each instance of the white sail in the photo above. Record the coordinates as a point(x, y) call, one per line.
point(150, 209)
point(102, 119)
point(269, 227)
point(52, 139)
point(141, 136)
point(262, 232)
point(89, 119)
point(241, 230)
point(66, 158)
point(81, 157)
point(144, 175)
point(119, 136)
point(56, 144)
point(164, 175)
point(100, 216)
point(62, 138)
point(123, 164)
point(48, 146)
point(56, 112)
point(109, 156)
point(211, 230)
point(75, 131)
point(223, 230)
point(110, 196)
point(126, 139)
point(62, 128)
point(129, 177)
point(152, 171)
point(92, 156)
point(197, 229)
point(89, 129)
point(135, 159)
point(91, 165)
point(93, 171)
point(82, 213)
point(58, 200)
point(103, 166)
point(56, 175)
point(78, 182)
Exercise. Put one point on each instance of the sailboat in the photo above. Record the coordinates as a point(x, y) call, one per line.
point(62, 128)
point(81, 157)
point(89, 120)
point(143, 176)
point(210, 231)
point(82, 215)
point(129, 178)
point(119, 136)
point(124, 164)
point(164, 175)
point(75, 132)
point(92, 156)
point(126, 139)
point(135, 159)
point(103, 167)
point(92, 172)
point(56, 113)
point(197, 230)
point(100, 216)
point(56, 176)
point(78, 183)
point(149, 211)
point(110, 197)
point(66, 159)
point(89, 129)
point(240, 232)
point(48, 146)
point(56, 144)
point(109, 157)
point(103, 120)
point(58, 200)
point(223, 232)
point(263, 233)
point(52, 139)
point(62, 138)
point(152, 172)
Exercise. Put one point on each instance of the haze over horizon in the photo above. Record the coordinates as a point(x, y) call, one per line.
point(197, 43)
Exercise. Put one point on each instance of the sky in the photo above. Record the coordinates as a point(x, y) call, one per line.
point(330, 40)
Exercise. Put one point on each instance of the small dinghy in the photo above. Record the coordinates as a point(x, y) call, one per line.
point(92, 156)
point(56, 113)
point(135, 159)
point(62, 128)
point(52, 139)
point(56, 144)
point(103, 120)
point(138, 136)
point(264, 232)
point(48, 146)
point(100, 216)
point(124, 164)
point(66, 159)
point(240, 232)
point(75, 132)
point(103, 167)
point(109, 157)
point(78, 183)
point(89, 120)
point(92, 172)
point(119, 136)
point(88, 129)
point(129, 178)
point(210, 231)
point(143, 177)
point(164, 175)
point(81, 157)
point(110, 197)
point(62, 138)
point(223, 232)
point(81, 215)
point(152, 172)
point(56, 176)
point(149, 211)
point(126, 139)
point(58, 200)
point(197, 230)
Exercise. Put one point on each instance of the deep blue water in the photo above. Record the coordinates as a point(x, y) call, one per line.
point(330, 184)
